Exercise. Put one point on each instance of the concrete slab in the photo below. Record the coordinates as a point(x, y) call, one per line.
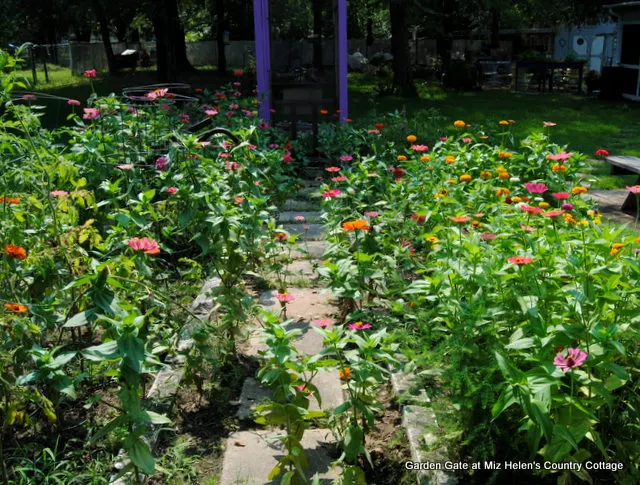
point(300, 205)
point(309, 304)
point(314, 231)
point(330, 387)
point(251, 455)
point(609, 204)
point(309, 217)
point(252, 394)
point(310, 249)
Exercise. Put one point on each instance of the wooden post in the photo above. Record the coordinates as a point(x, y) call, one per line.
point(33, 65)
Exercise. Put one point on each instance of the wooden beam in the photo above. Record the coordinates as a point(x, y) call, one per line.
point(343, 53)
point(263, 56)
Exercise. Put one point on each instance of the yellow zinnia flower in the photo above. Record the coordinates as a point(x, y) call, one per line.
point(459, 124)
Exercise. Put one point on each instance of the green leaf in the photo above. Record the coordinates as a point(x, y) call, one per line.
point(505, 400)
point(79, 319)
point(106, 351)
point(140, 454)
point(353, 440)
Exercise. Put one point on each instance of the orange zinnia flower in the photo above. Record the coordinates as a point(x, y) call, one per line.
point(504, 175)
point(345, 373)
point(450, 159)
point(359, 225)
point(16, 307)
point(459, 124)
point(579, 190)
point(17, 252)
point(425, 158)
point(460, 219)
point(324, 111)
point(465, 177)
point(9, 200)
point(412, 138)
point(504, 155)
point(402, 158)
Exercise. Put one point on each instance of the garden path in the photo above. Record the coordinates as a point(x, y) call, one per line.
point(253, 451)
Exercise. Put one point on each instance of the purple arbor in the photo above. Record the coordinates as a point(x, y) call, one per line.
point(286, 84)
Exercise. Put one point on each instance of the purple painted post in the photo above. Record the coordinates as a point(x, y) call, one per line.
point(263, 56)
point(342, 60)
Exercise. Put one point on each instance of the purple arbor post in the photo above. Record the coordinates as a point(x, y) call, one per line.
point(263, 57)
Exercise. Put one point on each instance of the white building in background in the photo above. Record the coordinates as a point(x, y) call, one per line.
point(596, 44)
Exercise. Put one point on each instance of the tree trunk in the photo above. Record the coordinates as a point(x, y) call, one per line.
point(106, 37)
point(221, 26)
point(400, 48)
point(170, 44)
point(318, 63)
point(495, 28)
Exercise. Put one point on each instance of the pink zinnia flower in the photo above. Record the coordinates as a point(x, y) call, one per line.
point(298, 218)
point(531, 209)
point(371, 214)
point(487, 236)
point(557, 157)
point(59, 193)
point(91, 113)
point(324, 322)
point(561, 195)
point(171, 190)
point(29, 97)
point(238, 199)
point(420, 148)
point(90, 73)
point(157, 93)
point(374, 131)
point(73, 102)
point(467, 140)
point(229, 114)
point(211, 112)
point(567, 207)
point(575, 359)
point(444, 138)
point(263, 125)
point(331, 193)
point(341, 178)
point(524, 227)
point(146, 244)
point(202, 144)
point(535, 188)
point(547, 124)
point(125, 166)
point(635, 189)
point(552, 213)
point(333, 169)
point(162, 163)
point(224, 155)
point(273, 146)
point(232, 166)
point(233, 106)
point(346, 158)
point(359, 326)
point(285, 297)
point(520, 260)
point(287, 158)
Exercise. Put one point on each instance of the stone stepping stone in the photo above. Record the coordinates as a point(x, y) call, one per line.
point(309, 250)
point(300, 205)
point(252, 394)
point(251, 455)
point(309, 217)
point(314, 231)
point(309, 304)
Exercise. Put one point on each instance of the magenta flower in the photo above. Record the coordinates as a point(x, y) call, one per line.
point(29, 97)
point(561, 195)
point(346, 158)
point(224, 155)
point(331, 193)
point(233, 106)
point(90, 73)
point(323, 322)
point(59, 193)
point(73, 102)
point(341, 178)
point(575, 359)
point(263, 125)
point(285, 297)
point(634, 189)
point(232, 166)
point(359, 326)
point(558, 157)
point(487, 236)
point(146, 244)
point(567, 207)
point(443, 138)
point(273, 146)
point(287, 158)
point(420, 148)
point(536, 188)
point(211, 112)
point(91, 113)
point(333, 169)
point(552, 213)
point(171, 190)
point(372, 214)
point(162, 163)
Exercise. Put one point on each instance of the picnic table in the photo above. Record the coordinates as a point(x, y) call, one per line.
point(626, 165)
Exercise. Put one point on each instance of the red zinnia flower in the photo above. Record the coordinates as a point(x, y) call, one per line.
point(17, 252)
point(146, 244)
point(600, 152)
point(460, 219)
point(520, 260)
